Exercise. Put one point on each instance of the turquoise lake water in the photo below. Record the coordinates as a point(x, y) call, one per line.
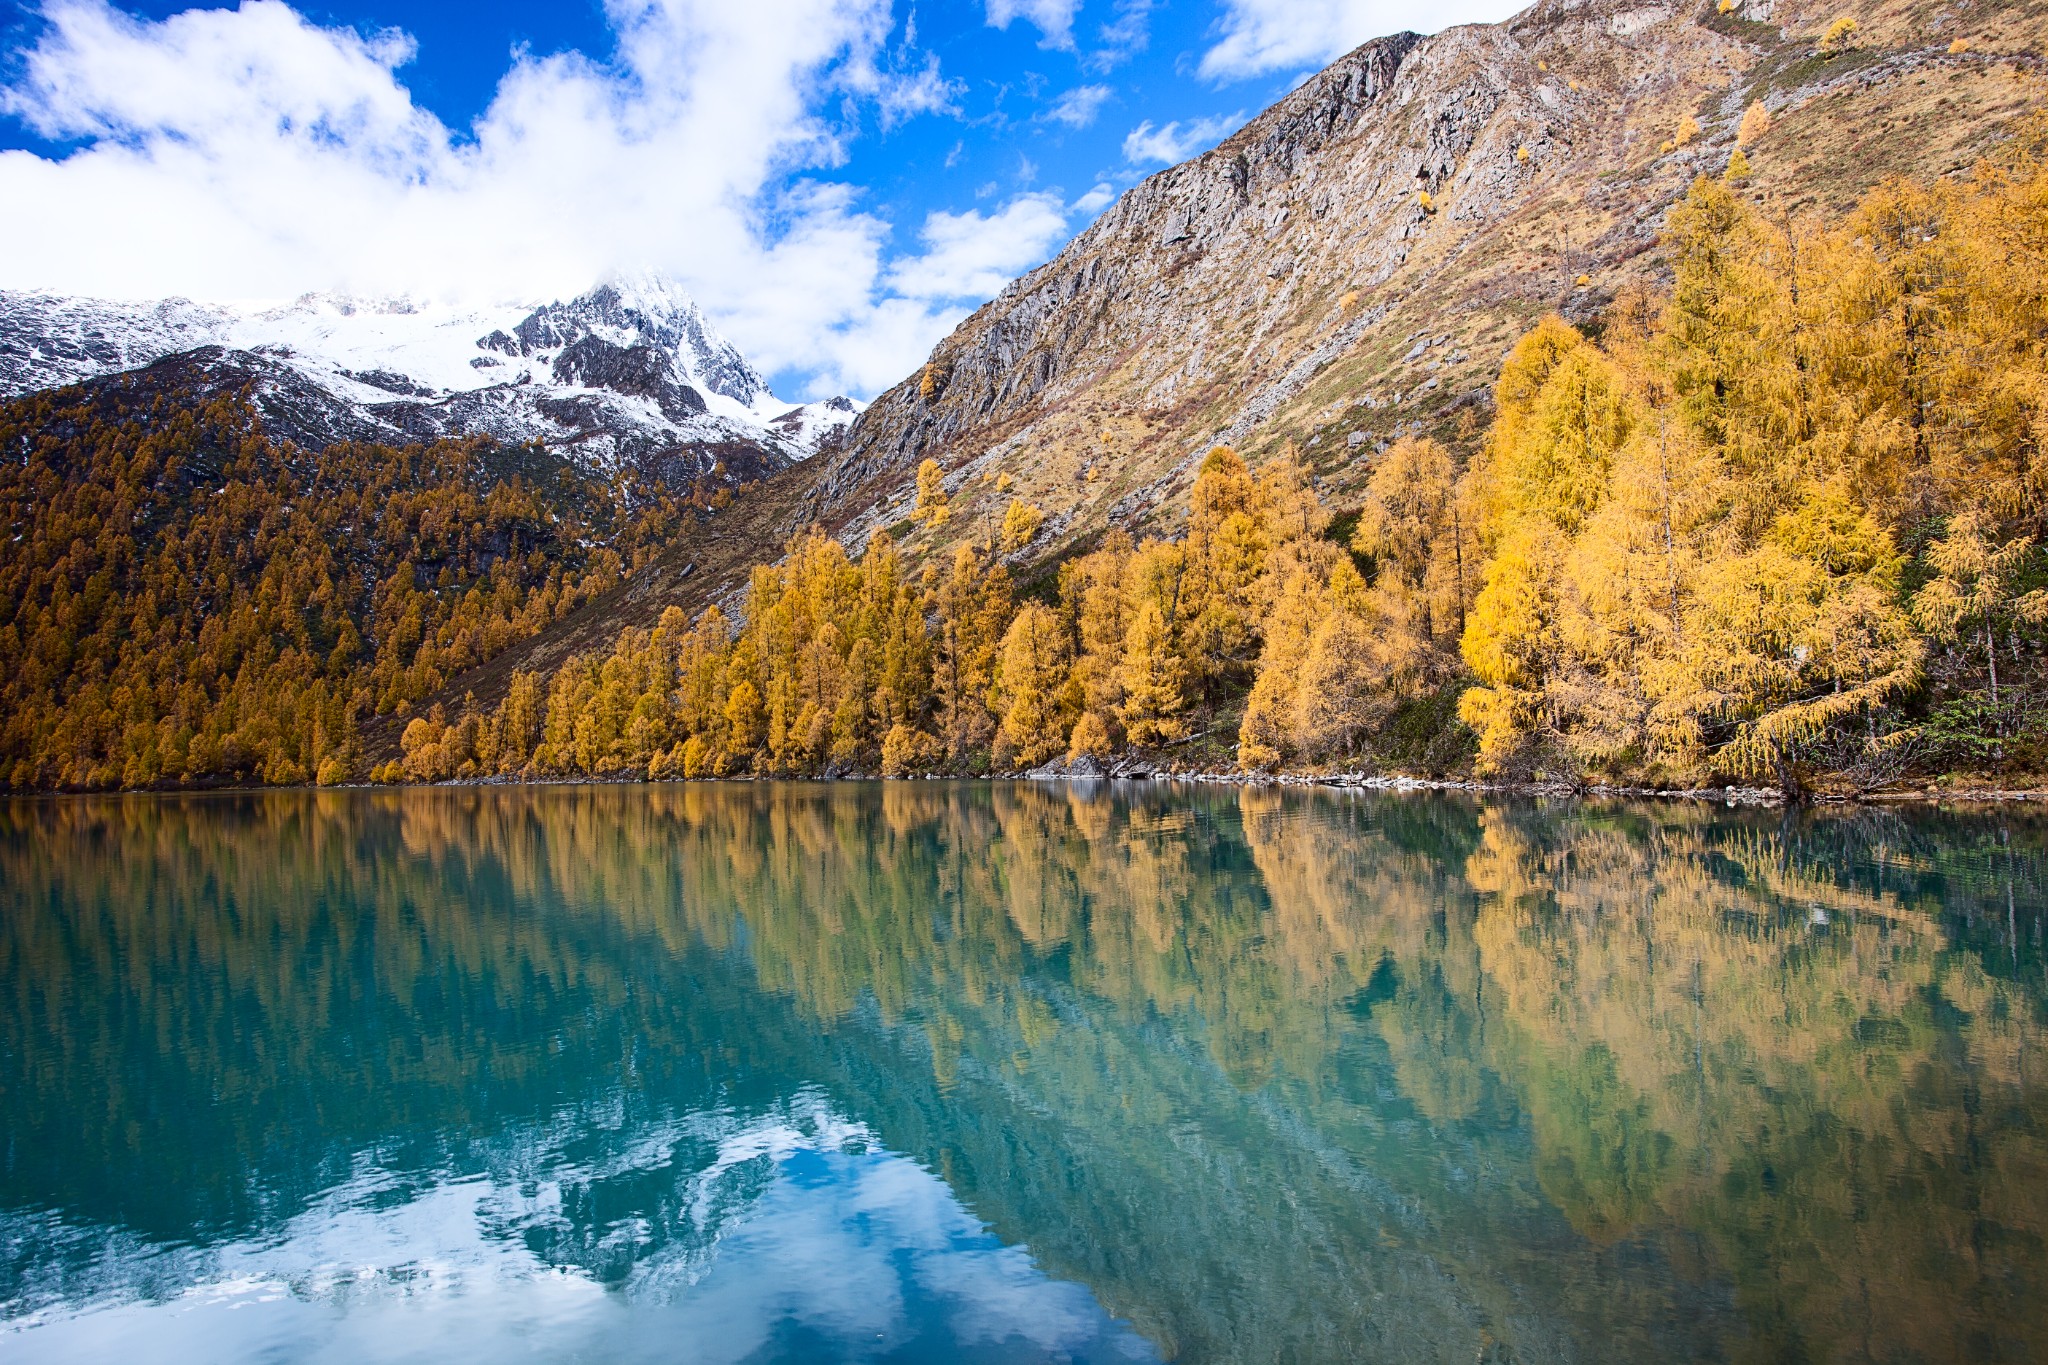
point(989, 1072)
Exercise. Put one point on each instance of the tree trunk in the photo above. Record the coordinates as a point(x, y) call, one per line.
point(1458, 553)
point(1991, 655)
point(1788, 776)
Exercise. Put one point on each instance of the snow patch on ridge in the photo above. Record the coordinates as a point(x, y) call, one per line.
point(625, 371)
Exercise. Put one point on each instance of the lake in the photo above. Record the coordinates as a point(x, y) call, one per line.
point(1018, 1072)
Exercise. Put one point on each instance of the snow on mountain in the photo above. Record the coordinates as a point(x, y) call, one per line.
point(47, 341)
point(817, 425)
point(650, 310)
point(631, 373)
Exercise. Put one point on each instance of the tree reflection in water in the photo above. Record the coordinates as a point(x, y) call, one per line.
point(1273, 1075)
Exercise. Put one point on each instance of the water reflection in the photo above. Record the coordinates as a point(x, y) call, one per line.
point(912, 1070)
point(795, 1239)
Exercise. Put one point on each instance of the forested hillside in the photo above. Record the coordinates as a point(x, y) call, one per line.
point(1781, 521)
point(185, 600)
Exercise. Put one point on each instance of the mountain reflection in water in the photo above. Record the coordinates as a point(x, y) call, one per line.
point(1013, 1072)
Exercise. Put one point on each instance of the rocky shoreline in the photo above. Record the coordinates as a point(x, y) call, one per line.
point(1129, 770)
point(1133, 770)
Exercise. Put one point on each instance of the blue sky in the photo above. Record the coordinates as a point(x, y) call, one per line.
point(838, 181)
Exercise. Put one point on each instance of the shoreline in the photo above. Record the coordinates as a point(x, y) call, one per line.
point(1730, 796)
point(1126, 771)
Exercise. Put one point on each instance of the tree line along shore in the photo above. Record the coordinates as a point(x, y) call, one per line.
point(1776, 525)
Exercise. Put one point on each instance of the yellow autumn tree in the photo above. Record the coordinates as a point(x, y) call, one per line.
point(1974, 590)
point(1412, 527)
point(1095, 611)
point(1839, 37)
point(972, 606)
point(1032, 688)
point(1090, 738)
point(1226, 547)
point(1343, 694)
point(932, 508)
point(1266, 736)
point(1755, 124)
point(1514, 646)
point(1151, 674)
point(1021, 521)
point(1801, 632)
point(1324, 675)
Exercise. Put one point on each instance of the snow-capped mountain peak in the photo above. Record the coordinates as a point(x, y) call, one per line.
point(643, 311)
point(630, 372)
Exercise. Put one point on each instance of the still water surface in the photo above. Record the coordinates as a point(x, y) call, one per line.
point(918, 1072)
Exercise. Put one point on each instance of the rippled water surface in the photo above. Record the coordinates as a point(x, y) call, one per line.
point(922, 1072)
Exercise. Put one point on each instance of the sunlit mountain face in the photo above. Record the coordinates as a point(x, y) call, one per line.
point(918, 1071)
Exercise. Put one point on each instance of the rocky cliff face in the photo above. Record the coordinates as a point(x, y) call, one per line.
point(1355, 261)
point(48, 341)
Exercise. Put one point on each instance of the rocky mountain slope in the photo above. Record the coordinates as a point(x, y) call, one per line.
point(1356, 260)
point(628, 375)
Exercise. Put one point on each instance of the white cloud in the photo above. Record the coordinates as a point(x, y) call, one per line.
point(251, 154)
point(1125, 36)
point(909, 95)
point(1261, 36)
point(1096, 199)
point(973, 255)
point(1054, 18)
point(1176, 142)
point(816, 1234)
point(1078, 107)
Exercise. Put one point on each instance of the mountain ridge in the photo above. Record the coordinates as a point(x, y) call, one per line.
point(630, 373)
